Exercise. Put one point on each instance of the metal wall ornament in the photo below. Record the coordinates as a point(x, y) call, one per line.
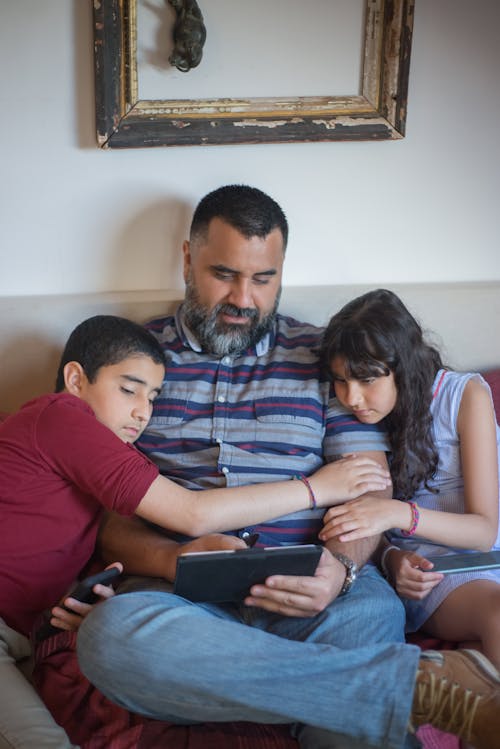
point(189, 35)
point(377, 112)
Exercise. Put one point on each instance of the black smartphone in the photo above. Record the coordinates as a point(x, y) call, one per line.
point(82, 592)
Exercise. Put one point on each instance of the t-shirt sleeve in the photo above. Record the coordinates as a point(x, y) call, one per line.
point(345, 434)
point(89, 455)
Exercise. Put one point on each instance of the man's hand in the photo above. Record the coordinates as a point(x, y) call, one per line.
point(291, 595)
point(410, 574)
point(212, 542)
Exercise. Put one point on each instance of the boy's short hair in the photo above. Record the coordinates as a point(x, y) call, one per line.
point(104, 340)
point(245, 208)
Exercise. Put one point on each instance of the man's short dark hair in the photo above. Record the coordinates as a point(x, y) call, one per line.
point(104, 340)
point(247, 209)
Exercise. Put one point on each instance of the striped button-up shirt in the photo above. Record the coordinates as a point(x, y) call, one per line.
point(264, 415)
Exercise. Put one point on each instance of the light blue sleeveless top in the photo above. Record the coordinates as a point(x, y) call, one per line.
point(447, 394)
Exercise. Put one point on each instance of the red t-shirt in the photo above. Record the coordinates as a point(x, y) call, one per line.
point(59, 467)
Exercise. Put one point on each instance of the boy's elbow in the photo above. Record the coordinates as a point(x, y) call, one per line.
point(197, 522)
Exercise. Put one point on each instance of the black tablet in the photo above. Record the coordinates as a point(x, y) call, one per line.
point(467, 562)
point(219, 576)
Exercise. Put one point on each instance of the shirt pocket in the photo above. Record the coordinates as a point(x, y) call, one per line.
point(294, 420)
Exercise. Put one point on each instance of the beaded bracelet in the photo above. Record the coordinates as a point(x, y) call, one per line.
point(415, 517)
point(312, 499)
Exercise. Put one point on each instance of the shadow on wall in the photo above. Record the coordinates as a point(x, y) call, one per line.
point(163, 45)
point(146, 251)
point(32, 374)
point(83, 72)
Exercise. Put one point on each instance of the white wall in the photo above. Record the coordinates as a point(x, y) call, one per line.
point(74, 219)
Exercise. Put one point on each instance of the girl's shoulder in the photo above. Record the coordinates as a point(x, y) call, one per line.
point(450, 384)
point(448, 396)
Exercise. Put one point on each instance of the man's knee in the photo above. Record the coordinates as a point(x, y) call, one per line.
point(130, 626)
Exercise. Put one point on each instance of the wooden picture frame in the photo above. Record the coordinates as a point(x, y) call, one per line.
point(378, 112)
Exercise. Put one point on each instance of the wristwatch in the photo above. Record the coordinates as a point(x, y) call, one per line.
point(351, 571)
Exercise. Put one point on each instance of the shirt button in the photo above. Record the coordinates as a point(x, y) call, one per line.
point(225, 470)
point(221, 399)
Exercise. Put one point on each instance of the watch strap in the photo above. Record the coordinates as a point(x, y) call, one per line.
point(351, 571)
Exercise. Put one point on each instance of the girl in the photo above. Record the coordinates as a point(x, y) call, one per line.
point(444, 465)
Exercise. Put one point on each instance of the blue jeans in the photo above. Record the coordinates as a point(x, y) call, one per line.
point(345, 671)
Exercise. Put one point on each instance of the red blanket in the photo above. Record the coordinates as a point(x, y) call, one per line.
point(93, 722)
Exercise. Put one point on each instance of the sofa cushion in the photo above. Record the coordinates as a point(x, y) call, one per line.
point(492, 377)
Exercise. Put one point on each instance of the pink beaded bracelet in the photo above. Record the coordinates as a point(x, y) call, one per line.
point(415, 517)
point(312, 499)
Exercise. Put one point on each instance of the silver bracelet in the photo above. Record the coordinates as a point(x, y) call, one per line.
point(383, 563)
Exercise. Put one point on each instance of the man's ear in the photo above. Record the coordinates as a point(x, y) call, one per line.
point(74, 378)
point(186, 249)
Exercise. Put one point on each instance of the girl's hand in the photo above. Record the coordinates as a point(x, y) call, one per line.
point(71, 616)
point(347, 478)
point(360, 518)
point(410, 574)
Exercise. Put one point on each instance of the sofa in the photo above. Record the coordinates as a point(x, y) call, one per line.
point(32, 332)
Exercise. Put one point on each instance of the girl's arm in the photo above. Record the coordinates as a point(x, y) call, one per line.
point(474, 529)
point(199, 512)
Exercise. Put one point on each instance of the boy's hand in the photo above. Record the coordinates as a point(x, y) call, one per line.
point(71, 616)
point(347, 478)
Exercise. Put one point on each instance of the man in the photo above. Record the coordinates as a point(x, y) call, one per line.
point(244, 401)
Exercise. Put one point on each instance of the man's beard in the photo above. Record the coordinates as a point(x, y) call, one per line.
point(220, 338)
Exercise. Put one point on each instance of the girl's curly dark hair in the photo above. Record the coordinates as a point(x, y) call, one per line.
point(375, 334)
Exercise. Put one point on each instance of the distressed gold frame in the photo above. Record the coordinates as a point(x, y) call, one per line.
point(378, 112)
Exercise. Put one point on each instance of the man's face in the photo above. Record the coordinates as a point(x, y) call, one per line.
point(233, 286)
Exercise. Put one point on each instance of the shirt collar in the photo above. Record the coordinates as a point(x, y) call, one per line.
point(191, 341)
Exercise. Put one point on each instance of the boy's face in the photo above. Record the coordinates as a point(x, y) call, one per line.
point(122, 395)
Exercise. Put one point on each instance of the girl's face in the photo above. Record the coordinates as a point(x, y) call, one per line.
point(370, 400)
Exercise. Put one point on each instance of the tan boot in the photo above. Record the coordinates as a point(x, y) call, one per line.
point(458, 691)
